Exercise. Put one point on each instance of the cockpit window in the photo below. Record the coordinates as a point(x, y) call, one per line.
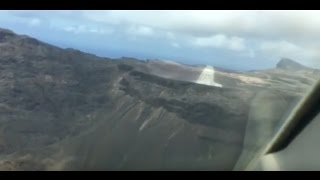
point(150, 90)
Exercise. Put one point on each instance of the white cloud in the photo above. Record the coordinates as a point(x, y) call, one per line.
point(251, 53)
point(175, 45)
point(254, 23)
point(232, 23)
point(281, 48)
point(101, 30)
point(292, 34)
point(221, 41)
point(170, 36)
point(248, 53)
point(140, 31)
point(69, 29)
point(75, 29)
point(307, 55)
point(35, 22)
point(84, 29)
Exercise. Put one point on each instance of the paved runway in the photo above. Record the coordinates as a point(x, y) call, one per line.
point(207, 77)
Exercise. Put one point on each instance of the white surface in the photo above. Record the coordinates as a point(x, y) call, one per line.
point(207, 77)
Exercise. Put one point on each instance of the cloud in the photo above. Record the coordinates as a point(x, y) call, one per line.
point(35, 22)
point(248, 34)
point(206, 23)
point(255, 23)
point(46, 14)
point(307, 55)
point(262, 24)
point(76, 29)
point(84, 29)
point(170, 36)
point(221, 41)
point(251, 53)
point(140, 31)
point(175, 45)
point(281, 48)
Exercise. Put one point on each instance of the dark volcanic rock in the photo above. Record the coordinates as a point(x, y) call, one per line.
point(289, 64)
point(5, 34)
point(63, 109)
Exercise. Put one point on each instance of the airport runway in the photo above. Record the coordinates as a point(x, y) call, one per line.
point(207, 77)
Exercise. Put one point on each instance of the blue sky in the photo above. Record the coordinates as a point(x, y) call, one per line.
point(242, 40)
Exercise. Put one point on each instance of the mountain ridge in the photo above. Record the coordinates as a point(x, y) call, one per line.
point(289, 64)
point(283, 63)
point(63, 109)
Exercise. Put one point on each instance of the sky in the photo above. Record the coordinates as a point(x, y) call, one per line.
point(241, 40)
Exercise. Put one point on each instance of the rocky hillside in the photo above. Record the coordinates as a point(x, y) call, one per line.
point(62, 109)
point(289, 64)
